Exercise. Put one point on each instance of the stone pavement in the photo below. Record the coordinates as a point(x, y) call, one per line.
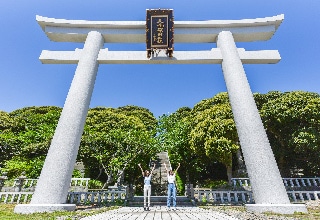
point(160, 213)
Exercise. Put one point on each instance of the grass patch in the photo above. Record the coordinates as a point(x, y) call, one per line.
point(313, 212)
point(6, 213)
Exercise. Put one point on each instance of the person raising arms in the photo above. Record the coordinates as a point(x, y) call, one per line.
point(147, 186)
point(171, 187)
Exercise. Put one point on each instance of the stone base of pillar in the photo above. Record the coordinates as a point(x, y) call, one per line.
point(277, 208)
point(36, 208)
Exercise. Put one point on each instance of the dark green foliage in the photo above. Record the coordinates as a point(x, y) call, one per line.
point(180, 185)
point(292, 121)
point(26, 142)
point(115, 140)
point(203, 138)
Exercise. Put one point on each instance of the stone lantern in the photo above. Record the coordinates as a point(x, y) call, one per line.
point(3, 178)
point(19, 182)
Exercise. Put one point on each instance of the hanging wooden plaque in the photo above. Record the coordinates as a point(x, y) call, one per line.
point(159, 31)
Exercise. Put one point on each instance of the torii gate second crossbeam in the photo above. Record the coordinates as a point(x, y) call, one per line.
point(267, 186)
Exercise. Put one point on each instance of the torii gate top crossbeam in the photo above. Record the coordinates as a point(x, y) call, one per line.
point(184, 31)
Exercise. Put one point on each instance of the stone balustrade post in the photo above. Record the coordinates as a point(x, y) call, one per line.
point(189, 191)
point(3, 178)
point(19, 182)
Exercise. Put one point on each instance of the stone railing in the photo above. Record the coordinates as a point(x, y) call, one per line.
point(201, 195)
point(237, 197)
point(100, 197)
point(302, 182)
point(21, 185)
point(79, 198)
point(236, 182)
point(288, 182)
point(15, 197)
point(302, 196)
point(28, 185)
point(79, 184)
point(221, 197)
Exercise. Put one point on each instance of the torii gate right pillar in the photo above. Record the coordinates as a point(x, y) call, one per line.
point(267, 186)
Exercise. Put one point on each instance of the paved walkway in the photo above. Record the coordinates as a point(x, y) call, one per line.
point(160, 213)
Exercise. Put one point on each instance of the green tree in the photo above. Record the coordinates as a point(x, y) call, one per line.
point(214, 133)
point(292, 121)
point(146, 117)
point(6, 151)
point(5, 121)
point(28, 138)
point(173, 136)
point(115, 140)
point(262, 99)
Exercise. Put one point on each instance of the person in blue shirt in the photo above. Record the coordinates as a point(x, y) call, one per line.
point(147, 186)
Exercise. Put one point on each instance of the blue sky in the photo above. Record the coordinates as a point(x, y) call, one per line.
point(160, 88)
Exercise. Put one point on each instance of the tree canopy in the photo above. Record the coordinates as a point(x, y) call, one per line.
point(203, 138)
point(27, 140)
point(292, 121)
point(116, 140)
point(113, 139)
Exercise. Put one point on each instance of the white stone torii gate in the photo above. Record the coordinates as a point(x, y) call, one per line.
point(53, 184)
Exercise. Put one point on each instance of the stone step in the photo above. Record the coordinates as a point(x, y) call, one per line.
point(137, 201)
point(152, 204)
point(160, 198)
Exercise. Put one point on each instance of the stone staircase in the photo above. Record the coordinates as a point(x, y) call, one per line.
point(159, 185)
point(159, 177)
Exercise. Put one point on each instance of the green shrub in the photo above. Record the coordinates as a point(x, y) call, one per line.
point(204, 200)
point(16, 166)
point(95, 184)
point(215, 184)
point(76, 174)
point(180, 185)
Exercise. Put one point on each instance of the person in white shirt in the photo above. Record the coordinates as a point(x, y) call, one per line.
point(171, 187)
point(147, 187)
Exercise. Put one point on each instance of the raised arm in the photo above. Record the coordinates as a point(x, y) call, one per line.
point(165, 166)
point(154, 166)
point(141, 169)
point(177, 168)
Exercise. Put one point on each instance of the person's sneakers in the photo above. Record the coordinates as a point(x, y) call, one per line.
point(145, 208)
point(174, 209)
point(148, 208)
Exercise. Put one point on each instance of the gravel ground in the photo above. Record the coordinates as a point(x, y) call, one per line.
point(245, 215)
point(240, 213)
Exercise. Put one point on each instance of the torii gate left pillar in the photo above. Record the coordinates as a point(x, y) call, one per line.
point(53, 184)
point(54, 181)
